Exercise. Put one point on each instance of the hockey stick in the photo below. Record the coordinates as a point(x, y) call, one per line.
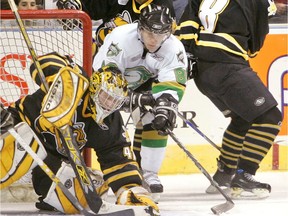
point(92, 198)
point(218, 209)
point(194, 126)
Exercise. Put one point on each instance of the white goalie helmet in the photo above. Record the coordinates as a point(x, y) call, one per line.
point(108, 90)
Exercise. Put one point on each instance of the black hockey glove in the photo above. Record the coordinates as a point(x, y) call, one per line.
point(192, 66)
point(135, 99)
point(69, 24)
point(69, 4)
point(6, 121)
point(165, 113)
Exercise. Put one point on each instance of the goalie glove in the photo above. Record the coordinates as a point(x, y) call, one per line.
point(137, 196)
point(165, 113)
point(69, 4)
point(135, 99)
point(6, 121)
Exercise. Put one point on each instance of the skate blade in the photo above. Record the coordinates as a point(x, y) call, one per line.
point(257, 193)
point(213, 190)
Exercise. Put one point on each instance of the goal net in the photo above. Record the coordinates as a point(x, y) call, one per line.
point(68, 32)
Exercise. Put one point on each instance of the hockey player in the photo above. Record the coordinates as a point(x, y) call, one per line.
point(113, 13)
point(223, 35)
point(154, 63)
point(92, 112)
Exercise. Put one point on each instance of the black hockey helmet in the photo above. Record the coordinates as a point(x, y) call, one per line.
point(156, 19)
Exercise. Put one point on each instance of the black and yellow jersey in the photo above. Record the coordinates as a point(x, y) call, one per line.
point(225, 30)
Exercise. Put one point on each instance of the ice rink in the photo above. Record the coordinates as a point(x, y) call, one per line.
point(184, 195)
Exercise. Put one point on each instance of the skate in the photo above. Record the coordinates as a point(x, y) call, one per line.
point(244, 186)
point(222, 179)
point(153, 184)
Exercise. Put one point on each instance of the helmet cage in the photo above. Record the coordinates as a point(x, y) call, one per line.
point(108, 90)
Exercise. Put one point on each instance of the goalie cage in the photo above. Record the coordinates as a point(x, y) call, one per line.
point(63, 31)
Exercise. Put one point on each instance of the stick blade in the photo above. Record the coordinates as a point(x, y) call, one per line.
point(221, 208)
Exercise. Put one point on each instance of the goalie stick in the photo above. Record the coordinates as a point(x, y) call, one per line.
point(218, 209)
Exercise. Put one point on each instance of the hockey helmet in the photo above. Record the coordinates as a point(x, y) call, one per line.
point(108, 90)
point(156, 19)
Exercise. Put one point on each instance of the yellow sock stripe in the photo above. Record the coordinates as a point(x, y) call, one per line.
point(123, 175)
point(118, 167)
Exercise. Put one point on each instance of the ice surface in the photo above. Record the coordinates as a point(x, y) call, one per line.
point(184, 195)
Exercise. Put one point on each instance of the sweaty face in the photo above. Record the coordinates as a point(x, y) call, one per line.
point(151, 40)
point(27, 5)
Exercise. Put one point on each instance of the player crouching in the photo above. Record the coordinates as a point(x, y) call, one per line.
point(90, 108)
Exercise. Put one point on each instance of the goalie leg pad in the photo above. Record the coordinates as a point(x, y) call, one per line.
point(15, 161)
point(59, 201)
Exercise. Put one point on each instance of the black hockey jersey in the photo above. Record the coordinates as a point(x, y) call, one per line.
point(225, 30)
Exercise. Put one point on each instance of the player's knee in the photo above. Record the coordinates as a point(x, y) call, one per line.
point(272, 116)
point(239, 126)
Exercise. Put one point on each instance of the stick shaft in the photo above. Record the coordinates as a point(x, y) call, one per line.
point(224, 207)
point(28, 43)
point(193, 126)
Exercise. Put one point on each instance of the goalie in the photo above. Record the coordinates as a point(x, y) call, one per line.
point(93, 107)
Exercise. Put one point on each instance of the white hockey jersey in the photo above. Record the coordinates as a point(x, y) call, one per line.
point(168, 65)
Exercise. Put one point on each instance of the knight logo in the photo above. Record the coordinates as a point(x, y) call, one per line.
point(79, 134)
point(259, 101)
point(113, 50)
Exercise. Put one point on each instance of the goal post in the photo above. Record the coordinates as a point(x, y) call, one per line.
point(68, 32)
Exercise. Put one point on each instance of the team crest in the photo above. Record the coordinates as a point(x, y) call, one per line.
point(113, 50)
point(180, 57)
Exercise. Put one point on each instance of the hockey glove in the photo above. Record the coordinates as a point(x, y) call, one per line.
point(136, 196)
point(69, 4)
point(135, 99)
point(6, 120)
point(69, 24)
point(192, 70)
point(165, 113)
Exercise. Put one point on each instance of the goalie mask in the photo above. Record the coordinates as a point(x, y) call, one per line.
point(155, 26)
point(108, 90)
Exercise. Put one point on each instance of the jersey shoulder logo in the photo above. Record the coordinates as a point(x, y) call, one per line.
point(113, 50)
